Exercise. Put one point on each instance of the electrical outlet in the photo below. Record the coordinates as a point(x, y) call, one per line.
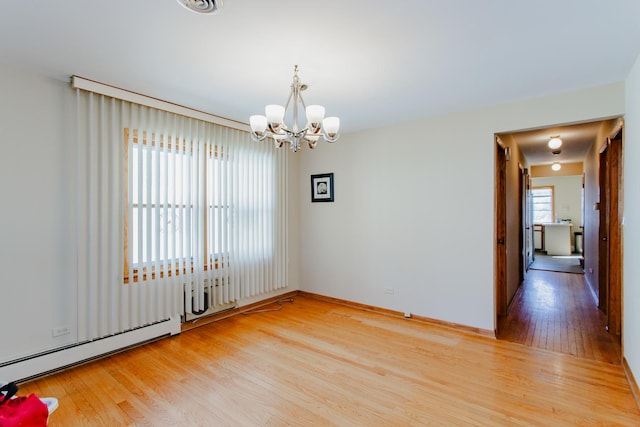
point(60, 330)
point(407, 314)
point(388, 291)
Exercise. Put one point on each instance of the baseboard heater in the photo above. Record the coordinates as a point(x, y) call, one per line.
point(65, 357)
point(210, 307)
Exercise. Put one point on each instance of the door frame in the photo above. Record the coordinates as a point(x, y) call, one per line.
point(610, 247)
point(500, 249)
point(500, 275)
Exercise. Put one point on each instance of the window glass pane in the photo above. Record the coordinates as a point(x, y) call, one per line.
point(542, 204)
point(133, 174)
point(161, 180)
point(164, 173)
point(547, 200)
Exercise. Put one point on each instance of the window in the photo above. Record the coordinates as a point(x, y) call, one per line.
point(542, 202)
point(175, 213)
point(175, 206)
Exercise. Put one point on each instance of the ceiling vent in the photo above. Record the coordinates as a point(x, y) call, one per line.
point(202, 6)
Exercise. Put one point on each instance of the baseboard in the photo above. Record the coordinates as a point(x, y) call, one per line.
point(591, 291)
point(632, 381)
point(516, 295)
point(456, 326)
point(63, 358)
point(235, 311)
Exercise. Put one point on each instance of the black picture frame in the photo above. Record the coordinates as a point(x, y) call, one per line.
point(322, 187)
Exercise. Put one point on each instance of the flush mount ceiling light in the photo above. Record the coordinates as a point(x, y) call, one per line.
point(556, 166)
point(272, 123)
point(555, 142)
point(202, 6)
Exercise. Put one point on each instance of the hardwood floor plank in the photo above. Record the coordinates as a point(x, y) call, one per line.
point(315, 363)
point(555, 311)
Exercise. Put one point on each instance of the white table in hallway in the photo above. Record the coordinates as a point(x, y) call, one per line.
point(557, 238)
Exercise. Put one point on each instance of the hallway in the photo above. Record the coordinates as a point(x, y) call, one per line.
point(556, 311)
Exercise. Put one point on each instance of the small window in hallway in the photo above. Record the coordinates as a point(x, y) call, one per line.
point(542, 202)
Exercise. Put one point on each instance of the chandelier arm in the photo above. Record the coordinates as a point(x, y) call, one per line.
point(257, 138)
point(295, 89)
point(286, 105)
point(295, 116)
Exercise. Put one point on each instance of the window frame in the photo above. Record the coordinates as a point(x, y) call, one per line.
point(552, 204)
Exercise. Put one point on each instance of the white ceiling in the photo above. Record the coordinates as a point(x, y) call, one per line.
point(370, 62)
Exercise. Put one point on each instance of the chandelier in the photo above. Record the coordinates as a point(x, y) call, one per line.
point(272, 123)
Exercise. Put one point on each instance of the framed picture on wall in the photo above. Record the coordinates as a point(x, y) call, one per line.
point(322, 187)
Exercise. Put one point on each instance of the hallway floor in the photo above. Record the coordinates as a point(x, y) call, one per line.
point(562, 264)
point(556, 311)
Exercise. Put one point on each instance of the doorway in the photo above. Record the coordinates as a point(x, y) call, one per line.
point(603, 297)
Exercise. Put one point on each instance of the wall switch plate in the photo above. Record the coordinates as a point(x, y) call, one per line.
point(388, 291)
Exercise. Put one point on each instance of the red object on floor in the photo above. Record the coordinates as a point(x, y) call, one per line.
point(24, 411)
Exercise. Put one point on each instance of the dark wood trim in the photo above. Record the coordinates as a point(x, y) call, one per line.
point(604, 146)
point(616, 128)
point(631, 380)
point(500, 237)
point(603, 229)
point(615, 237)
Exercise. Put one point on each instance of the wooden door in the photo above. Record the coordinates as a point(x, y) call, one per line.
point(521, 224)
point(603, 230)
point(501, 230)
point(610, 232)
point(614, 299)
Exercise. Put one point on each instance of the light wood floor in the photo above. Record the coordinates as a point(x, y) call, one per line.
point(557, 312)
point(315, 363)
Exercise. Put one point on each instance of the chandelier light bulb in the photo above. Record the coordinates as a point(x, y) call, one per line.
point(556, 166)
point(315, 113)
point(273, 125)
point(258, 124)
point(555, 142)
point(331, 125)
point(274, 113)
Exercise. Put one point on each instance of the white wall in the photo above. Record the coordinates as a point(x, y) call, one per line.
point(414, 208)
point(631, 232)
point(37, 231)
point(567, 191)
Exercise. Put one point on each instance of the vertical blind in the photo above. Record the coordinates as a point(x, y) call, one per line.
point(169, 207)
